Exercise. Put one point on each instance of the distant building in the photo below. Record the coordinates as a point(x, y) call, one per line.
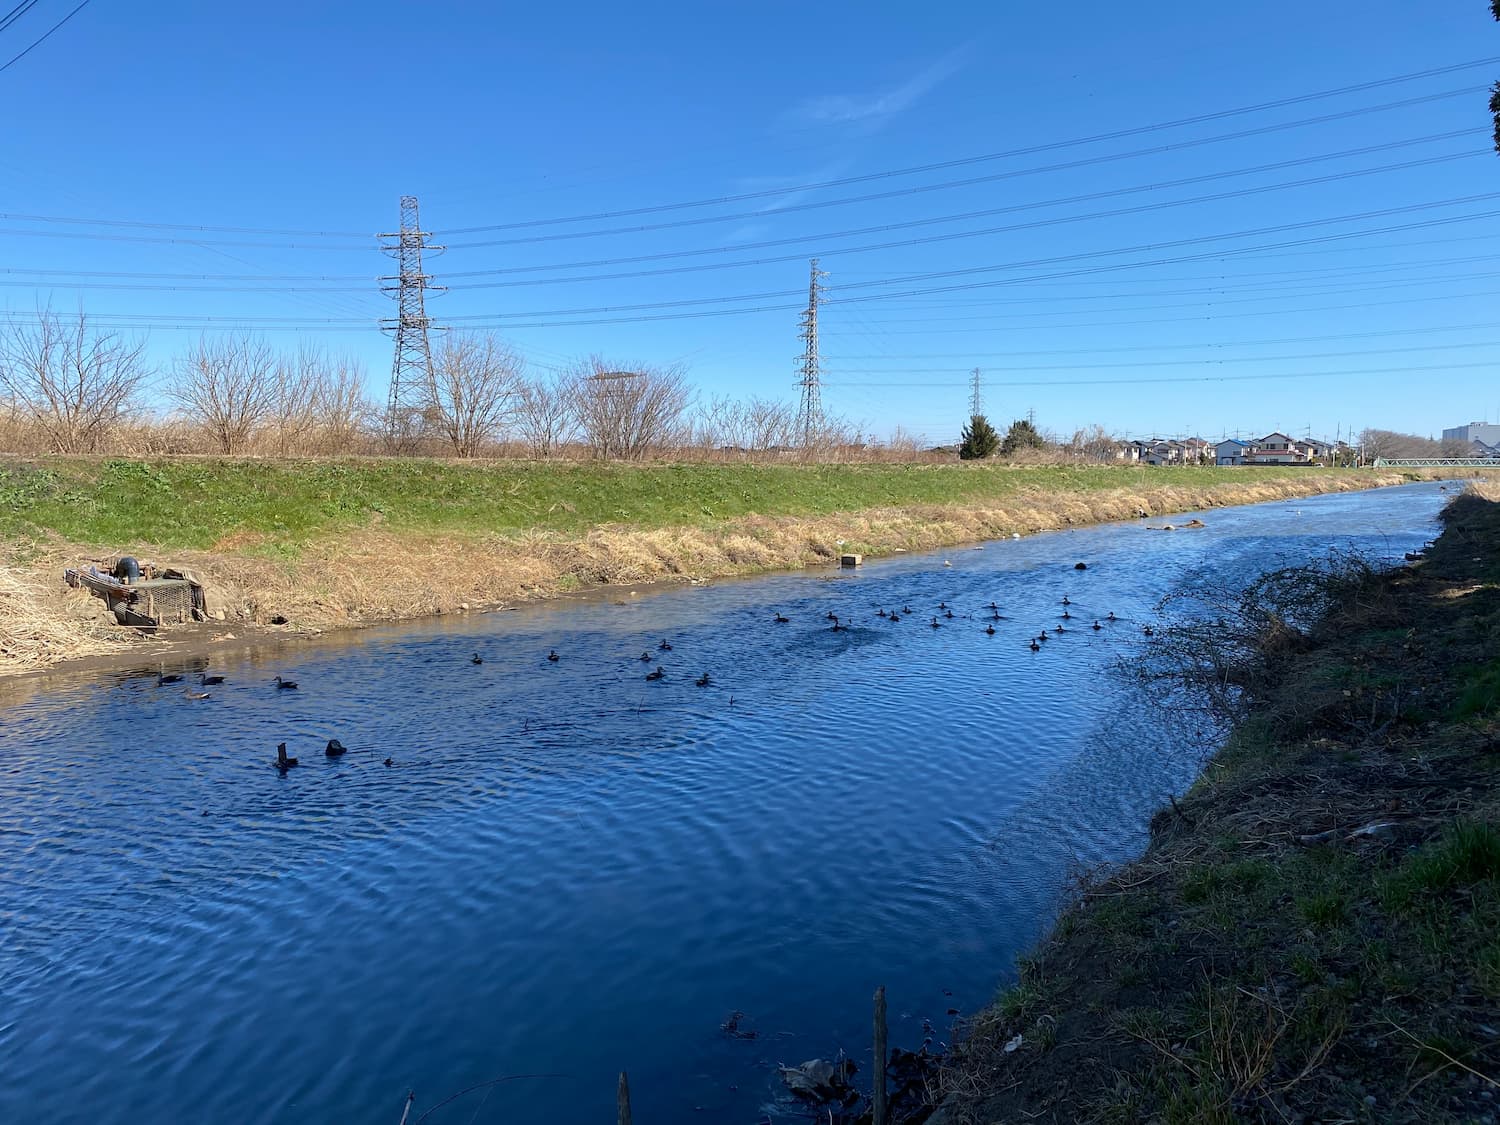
point(1278, 449)
point(1486, 432)
point(1231, 451)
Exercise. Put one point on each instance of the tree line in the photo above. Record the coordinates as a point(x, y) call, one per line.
point(68, 385)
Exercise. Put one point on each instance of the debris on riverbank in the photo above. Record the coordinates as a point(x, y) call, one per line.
point(1312, 933)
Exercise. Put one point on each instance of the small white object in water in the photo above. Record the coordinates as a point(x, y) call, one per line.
point(1015, 535)
point(947, 563)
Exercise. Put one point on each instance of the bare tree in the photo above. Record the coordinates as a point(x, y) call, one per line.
point(294, 400)
point(72, 381)
point(472, 391)
point(629, 413)
point(343, 410)
point(769, 425)
point(227, 384)
point(1390, 443)
point(544, 415)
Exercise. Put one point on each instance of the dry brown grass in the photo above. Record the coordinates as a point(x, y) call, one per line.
point(41, 623)
point(379, 575)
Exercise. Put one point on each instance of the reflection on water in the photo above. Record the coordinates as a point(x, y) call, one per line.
point(569, 870)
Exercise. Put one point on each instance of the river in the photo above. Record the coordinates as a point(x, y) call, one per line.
point(569, 870)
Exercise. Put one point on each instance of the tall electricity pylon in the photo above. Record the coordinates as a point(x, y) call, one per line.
point(976, 399)
point(411, 369)
point(810, 413)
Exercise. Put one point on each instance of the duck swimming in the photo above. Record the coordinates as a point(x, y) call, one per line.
point(1110, 616)
point(1096, 626)
point(1148, 631)
point(990, 629)
point(703, 680)
point(205, 681)
point(191, 694)
point(476, 659)
point(1065, 600)
point(172, 679)
point(1035, 647)
point(335, 748)
point(782, 620)
point(552, 656)
point(645, 658)
point(936, 624)
point(283, 762)
point(1066, 616)
point(664, 646)
point(285, 685)
point(949, 615)
point(656, 675)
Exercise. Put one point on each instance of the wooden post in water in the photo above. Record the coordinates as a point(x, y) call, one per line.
point(881, 1109)
point(624, 1099)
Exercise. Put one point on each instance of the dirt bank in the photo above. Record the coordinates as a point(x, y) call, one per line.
point(376, 575)
point(1312, 934)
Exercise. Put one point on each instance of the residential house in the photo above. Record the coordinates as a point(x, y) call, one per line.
point(1276, 449)
point(1231, 451)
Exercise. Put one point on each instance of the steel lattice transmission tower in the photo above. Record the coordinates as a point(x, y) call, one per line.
point(411, 370)
point(976, 396)
point(810, 413)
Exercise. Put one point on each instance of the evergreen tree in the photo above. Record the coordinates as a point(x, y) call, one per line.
point(978, 440)
point(1022, 435)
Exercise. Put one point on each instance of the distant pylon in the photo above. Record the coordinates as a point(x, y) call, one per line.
point(411, 369)
point(976, 399)
point(810, 413)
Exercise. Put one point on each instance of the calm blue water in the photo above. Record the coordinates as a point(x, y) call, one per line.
point(571, 871)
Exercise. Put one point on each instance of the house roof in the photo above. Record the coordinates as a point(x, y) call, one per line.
point(1231, 441)
point(1277, 434)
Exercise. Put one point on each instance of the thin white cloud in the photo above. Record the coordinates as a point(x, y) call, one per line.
point(845, 109)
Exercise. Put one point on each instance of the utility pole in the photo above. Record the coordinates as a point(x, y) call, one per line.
point(810, 413)
point(976, 399)
point(411, 369)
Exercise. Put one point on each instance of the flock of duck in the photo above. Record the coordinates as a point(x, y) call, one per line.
point(990, 614)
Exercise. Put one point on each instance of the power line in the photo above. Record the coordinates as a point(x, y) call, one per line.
point(1211, 378)
point(962, 161)
point(44, 37)
point(612, 311)
point(1158, 362)
point(1215, 344)
point(944, 185)
point(1033, 205)
point(16, 13)
point(17, 217)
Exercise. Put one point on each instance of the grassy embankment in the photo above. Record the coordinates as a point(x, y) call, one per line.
point(328, 543)
point(1314, 933)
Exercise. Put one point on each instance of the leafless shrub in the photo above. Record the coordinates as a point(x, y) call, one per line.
point(544, 418)
point(1226, 645)
point(630, 413)
point(70, 380)
point(475, 381)
point(228, 385)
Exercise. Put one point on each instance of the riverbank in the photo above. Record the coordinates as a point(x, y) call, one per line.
point(1312, 933)
point(298, 547)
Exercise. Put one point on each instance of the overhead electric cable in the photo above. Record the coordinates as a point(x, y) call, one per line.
point(1116, 134)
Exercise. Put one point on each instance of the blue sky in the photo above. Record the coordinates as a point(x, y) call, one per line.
point(1109, 291)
